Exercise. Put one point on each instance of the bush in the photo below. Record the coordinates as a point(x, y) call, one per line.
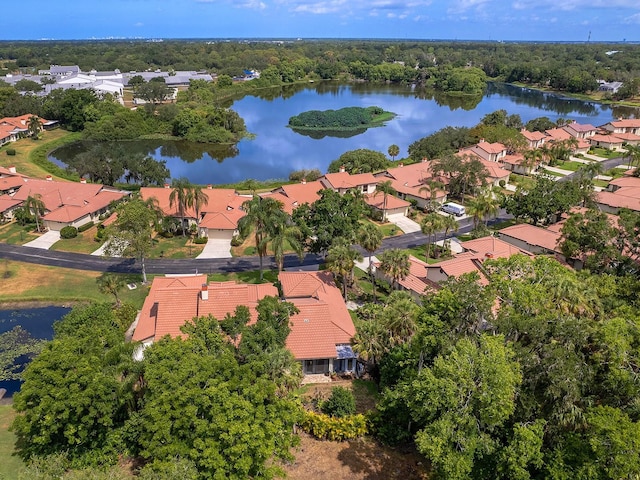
point(502, 183)
point(68, 232)
point(337, 429)
point(11, 151)
point(85, 227)
point(237, 241)
point(200, 240)
point(341, 403)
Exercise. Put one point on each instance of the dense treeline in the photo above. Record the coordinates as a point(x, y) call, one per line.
point(570, 67)
point(217, 403)
point(534, 375)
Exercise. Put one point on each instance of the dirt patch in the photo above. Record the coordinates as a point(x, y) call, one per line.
point(361, 459)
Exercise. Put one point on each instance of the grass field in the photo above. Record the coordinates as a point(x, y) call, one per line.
point(27, 282)
point(30, 157)
point(15, 234)
point(83, 243)
point(10, 465)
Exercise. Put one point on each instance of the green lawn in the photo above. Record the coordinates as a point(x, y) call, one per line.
point(602, 152)
point(419, 253)
point(270, 276)
point(27, 282)
point(83, 243)
point(176, 247)
point(16, 234)
point(571, 166)
point(552, 174)
point(522, 181)
point(10, 465)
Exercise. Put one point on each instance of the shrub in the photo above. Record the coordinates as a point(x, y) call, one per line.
point(237, 241)
point(341, 403)
point(337, 429)
point(200, 240)
point(502, 183)
point(85, 227)
point(68, 232)
point(11, 151)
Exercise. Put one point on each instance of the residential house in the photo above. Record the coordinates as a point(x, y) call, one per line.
point(296, 194)
point(393, 206)
point(515, 163)
point(560, 135)
point(218, 217)
point(534, 139)
point(622, 197)
point(412, 182)
point(624, 182)
point(7, 207)
point(321, 331)
point(320, 334)
point(461, 264)
point(623, 125)
point(579, 130)
point(13, 128)
point(68, 203)
point(342, 182)
point(608, 142)
point(415, 282)
point(492, 152)
point(530, 238)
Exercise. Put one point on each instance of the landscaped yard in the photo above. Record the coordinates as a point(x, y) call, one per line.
point(83, 243)
point(571, 166)
point(176, 247)
point(603, 152)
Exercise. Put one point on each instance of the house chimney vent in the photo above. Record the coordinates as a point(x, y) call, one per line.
point(204, 292)
point(83, 180)
point(343, 169)
point(11, 168)
point(49, 178)
point(166, 185)
point(304, 181)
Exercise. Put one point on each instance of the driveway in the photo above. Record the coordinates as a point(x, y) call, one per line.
point(216, 248)
point(405, 224)
point(45, 240)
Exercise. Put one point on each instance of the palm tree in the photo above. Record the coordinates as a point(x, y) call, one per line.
point(449, 224)
point(340, 260)
point(34, 126)
point(283, 232)
point(35, 205)
point(261, 213)
point(181, 198)
point(393, 151)
point(633, 154)
point(531, 159)
point(431, 224)
point(431, 186)
point(199, 199)
point(395, 263)
point(386, 188)
point(111, 284)
point(370, 238)
point(483, 206)
point(400, 316)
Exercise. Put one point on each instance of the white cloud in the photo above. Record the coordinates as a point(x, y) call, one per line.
point(633, 19)
point(461, 6)
point(573, 4)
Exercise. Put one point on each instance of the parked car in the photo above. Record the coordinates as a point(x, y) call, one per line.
point(453, 209)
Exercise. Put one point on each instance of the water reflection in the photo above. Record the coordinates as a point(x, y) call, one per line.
point(274, 150)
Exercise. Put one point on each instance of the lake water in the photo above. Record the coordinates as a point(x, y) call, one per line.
point(275, 150)
point(37, 321)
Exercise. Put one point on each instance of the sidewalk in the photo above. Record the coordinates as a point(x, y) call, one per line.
point(44, 241)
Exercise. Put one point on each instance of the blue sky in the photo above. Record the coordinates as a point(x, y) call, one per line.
point(551, 20)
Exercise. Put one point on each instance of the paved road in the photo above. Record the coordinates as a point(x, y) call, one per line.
point(81, 261)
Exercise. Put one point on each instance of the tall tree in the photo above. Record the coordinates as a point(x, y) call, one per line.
point(430, 225)
point(111, 284)
point(384, 188)
point(200, 199)
point(370, 238)
point(131, 233)
point(340, 261)
point(393, 151)
point(35, 205)
point(34, 126)
point(261, 213)
point(395, 263)
point(283, 233)
point(181, 197)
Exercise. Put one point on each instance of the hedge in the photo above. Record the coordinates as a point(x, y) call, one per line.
point(200, 240)
point(68, 232)
point(85, 227)
point(337, 429)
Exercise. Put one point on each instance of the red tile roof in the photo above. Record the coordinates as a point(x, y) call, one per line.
point(219, 200)
point(626, 123)
point(606, 138)
point(626, 197)
point(536, 236)
point(7, 203)
point(491, 247)
point(492, 148)
point(377, 201)
point(533, 136)
point(344, 180)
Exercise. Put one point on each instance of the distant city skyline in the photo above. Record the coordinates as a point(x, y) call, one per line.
point(497, 20)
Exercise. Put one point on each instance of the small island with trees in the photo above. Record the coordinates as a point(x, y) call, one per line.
point(344, 119)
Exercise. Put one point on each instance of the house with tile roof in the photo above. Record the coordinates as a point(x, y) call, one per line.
point(412, 183)
point(534, 139)
point(13, 128)
point(416, 282)
point(296, 194)
point(533, 239)
point(342, 182)
point(623, 197)
point(560, 135)
point(579, 130)
point(492, 152)
point(69, 203)
point(218, 218)
point(622, 182)
point(320, 334)
point(626, 125)
point(608, 142)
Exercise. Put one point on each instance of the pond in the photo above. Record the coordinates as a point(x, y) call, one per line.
point(38, 322)
point(275, 150)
